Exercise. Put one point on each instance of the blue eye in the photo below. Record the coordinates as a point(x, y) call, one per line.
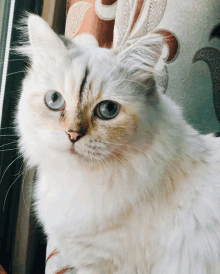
point(107, 110)
point(54, 100)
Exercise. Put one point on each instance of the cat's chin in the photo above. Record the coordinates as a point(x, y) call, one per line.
point(73, 150)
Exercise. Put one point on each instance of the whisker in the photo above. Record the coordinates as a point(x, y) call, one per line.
point(115, 174)
point(125, 152)
point(9, 166)
point(107, 158)
point(115, 65)
point(22, 187)
point(19, 174)
point(8, 143)
point(112, 154)
point(134, 82)
point(123, 162)
point(9, 190)
point(6, 135)
point(16, 72)
point(103, 163)
point(148, 156)
point(111, 163)
point(19, 170)
point(99, 162)
point(10, 139)
point(119, 80)
point(125, 145)
point(8, 149)
point(6, 127)
point(12, 60)
point(90, 165)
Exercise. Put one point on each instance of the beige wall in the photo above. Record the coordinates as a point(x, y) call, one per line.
point(48, 11)
point(2, 6)
point(54, 13)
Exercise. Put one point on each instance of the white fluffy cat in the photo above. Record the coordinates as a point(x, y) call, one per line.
point(125, 185)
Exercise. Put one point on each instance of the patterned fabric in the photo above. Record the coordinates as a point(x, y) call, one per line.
point(91, 22)
point(190, 61)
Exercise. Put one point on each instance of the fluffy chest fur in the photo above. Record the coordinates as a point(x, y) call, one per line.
point(125, 185)
point(91, 213)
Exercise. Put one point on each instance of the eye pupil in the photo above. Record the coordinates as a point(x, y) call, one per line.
point(110, 107)
point(54, 96)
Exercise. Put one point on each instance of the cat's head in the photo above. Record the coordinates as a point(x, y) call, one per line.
point(88, 102)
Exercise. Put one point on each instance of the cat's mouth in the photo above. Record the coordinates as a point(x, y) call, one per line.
point(87, 154)
point(96, 151)
point(73, 150)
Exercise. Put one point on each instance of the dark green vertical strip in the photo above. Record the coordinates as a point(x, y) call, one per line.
point(9, 171)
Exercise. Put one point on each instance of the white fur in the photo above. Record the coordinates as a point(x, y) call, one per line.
point(156, 212)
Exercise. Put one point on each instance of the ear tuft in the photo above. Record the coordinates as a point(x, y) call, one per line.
point(42, 38)
point(142, 55)
point(38, 40)
point(23, 46)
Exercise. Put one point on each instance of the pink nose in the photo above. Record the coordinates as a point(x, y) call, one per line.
point(73, 135)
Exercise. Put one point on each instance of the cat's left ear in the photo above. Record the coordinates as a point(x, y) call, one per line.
point(141, 56)
point(43, 40)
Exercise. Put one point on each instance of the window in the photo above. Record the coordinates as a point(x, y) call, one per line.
point(11, 165)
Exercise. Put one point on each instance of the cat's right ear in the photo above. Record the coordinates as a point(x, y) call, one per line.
point(43, 42)
point(141, 56)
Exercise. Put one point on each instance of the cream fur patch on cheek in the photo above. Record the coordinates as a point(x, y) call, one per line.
point(41, 116)
point(125, 129)
point(36, 104)
point(117, 130)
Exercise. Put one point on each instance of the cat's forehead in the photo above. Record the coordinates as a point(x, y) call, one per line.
point(87, 72)
point(94, 61)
